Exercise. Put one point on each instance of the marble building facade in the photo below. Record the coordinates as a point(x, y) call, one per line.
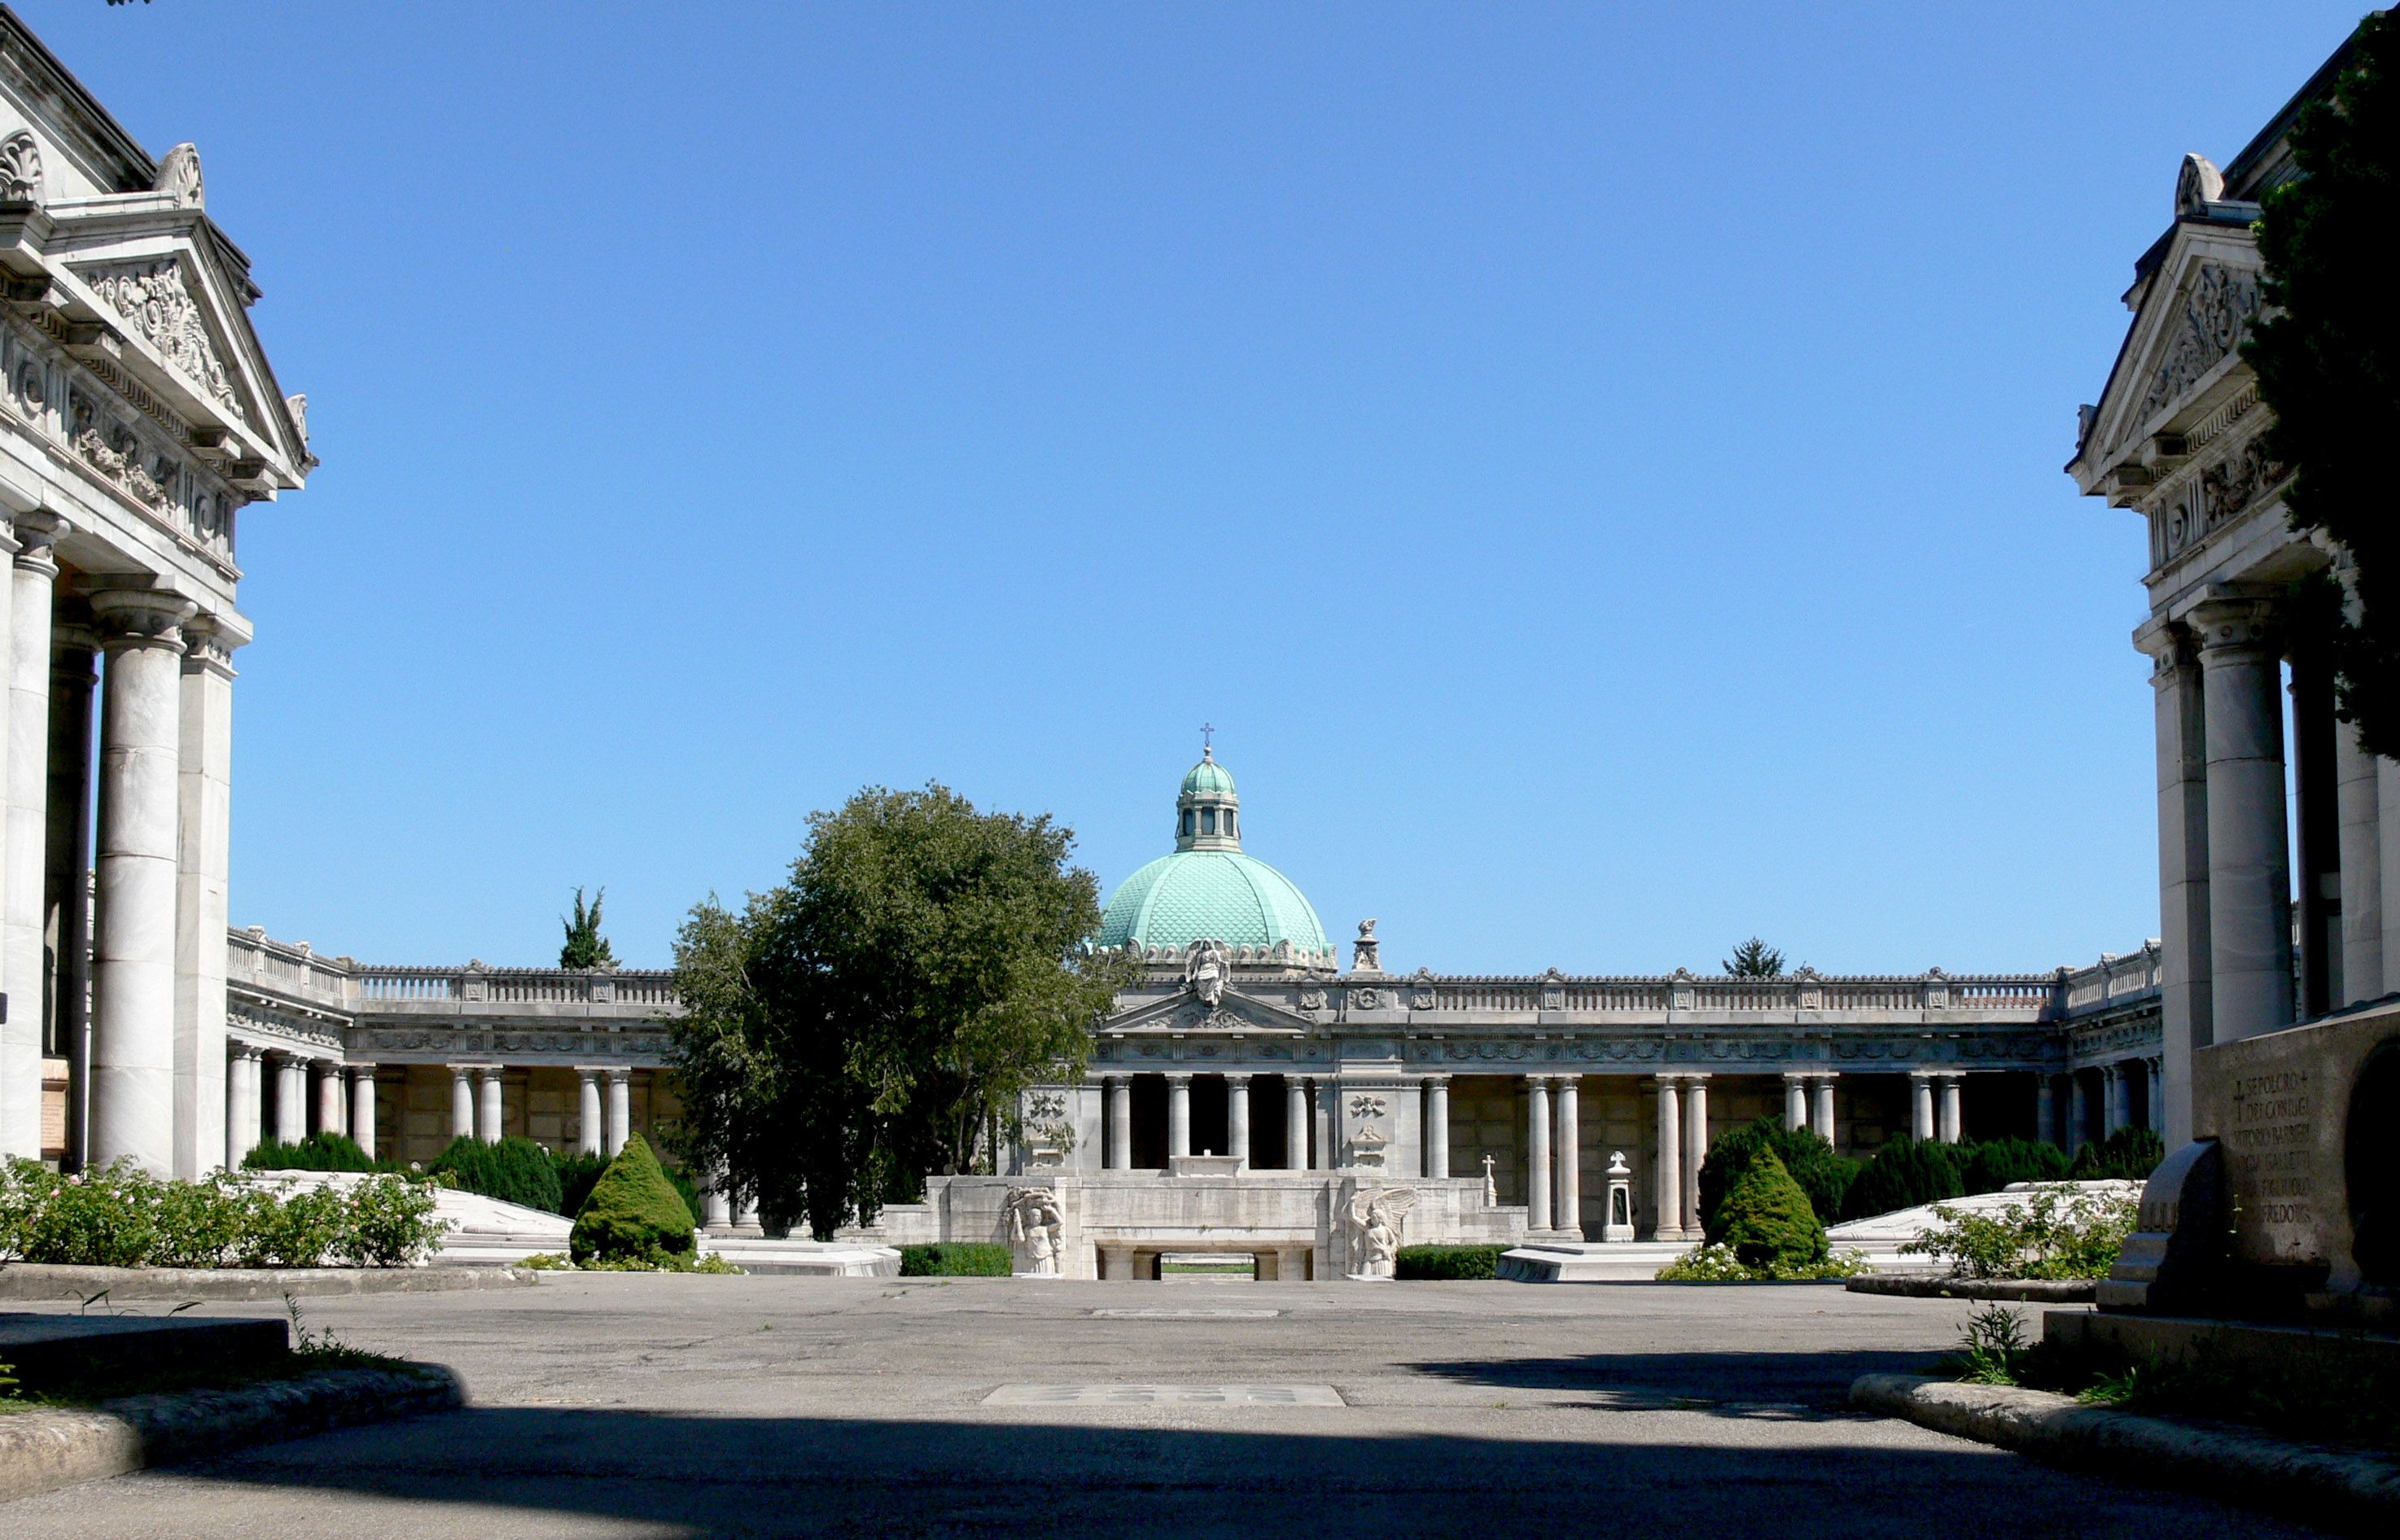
point(139, 417)
point(2270, 913)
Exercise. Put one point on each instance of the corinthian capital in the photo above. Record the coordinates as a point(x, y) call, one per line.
point(2230, 621)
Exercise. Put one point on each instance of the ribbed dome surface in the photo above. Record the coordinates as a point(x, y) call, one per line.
point(1209, 779)
point(1210, 895)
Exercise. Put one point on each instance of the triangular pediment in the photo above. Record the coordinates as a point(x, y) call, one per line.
point(1177, 1015)
point(2181, 357)
point(159, 298)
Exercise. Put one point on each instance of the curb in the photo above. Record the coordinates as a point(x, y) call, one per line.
point(1921, 1286)
point(2295, 1480)
point(43, 1449)
point(57, 1281)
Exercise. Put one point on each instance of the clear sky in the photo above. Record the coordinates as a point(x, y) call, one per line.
point(1598, 467)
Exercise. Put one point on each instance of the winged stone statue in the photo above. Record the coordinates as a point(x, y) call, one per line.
point(1376, 1219)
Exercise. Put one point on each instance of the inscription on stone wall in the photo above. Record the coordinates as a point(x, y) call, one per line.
point(2271, 1160)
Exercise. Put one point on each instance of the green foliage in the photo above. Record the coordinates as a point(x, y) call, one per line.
point(577, 1174)
point(515, 1170)
point(1995, 1164)
point(1904, 1174)
point(2129, 1155)
point(544, 1262)
point(956, 1259)
point(585, 947)
point(1767, 1221)
point(1822, 1174)
point(2327, 350)
point(633, 1213)
point(1754, 959)
point(2055, 1232)
point(1994, 1343)
point(317, 1153)
point(1718, 1264)
point(1425, 1263)
point(866, 1021)
point(122, 1217)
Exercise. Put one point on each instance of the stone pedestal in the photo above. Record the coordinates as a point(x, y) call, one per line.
point(1617, 1224)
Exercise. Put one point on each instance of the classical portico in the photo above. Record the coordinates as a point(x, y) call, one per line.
point(141, 415)
point(2234, 634)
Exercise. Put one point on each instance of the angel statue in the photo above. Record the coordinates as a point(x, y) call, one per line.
point(1037, 1226)
point(1205, 964)
point(1375, 1222)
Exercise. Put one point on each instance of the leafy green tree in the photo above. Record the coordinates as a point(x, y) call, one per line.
point(586, 947)
point(876, 1016)
point(1754, 959)
point(2327, 355)
point(1822, 1174)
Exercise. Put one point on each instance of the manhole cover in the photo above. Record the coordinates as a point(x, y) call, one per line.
point(1155, 1395)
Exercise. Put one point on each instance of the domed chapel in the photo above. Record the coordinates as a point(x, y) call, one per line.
point(1249, 1096)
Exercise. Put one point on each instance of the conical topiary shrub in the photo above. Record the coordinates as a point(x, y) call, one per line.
point(634, 1214)
point(1768, 1219)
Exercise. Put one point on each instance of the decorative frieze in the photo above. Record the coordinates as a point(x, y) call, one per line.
point(2216, 312)
point(154, 299)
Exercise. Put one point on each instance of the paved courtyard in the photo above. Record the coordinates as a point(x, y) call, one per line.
point(664, 1406)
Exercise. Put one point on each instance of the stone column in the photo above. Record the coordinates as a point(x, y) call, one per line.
point(1179, 1115)
point(1954, 1126)
point(716, 1209)
point(1116, 1263)
point(1920, 1105)
point(2358, 809)
point(2157, 1072)
point(1537, 1154)
point(491, 1124)
point(745, 1216)
point(2387, 795)
point(241, 1106)
point(66, 887)
point(1823, 1121)
point(2045, 1110)
point(1695, 1148)
point(290, 1099)
point(26, 777)
point(621, 1111)
point(462, 1102)
point(1321, 1121)
point(362, 1106)
point(1569, 1154)
point(133, 940)
point(204, 801)
point(1295, 1123)
point(587, 1111)
point(1237, 1116)
point(2249, 855)
point(1670, 1198)
point(1437, 1136)
point(2078, 1112)
point(2185, 998)
point(1795, 1100)
point(327, 1077)
point(2112, 1092)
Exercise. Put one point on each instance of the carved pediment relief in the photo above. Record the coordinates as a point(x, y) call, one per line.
point(1233, 1013)
point(154, 300)
point(2187, 328)
point(2213, 312)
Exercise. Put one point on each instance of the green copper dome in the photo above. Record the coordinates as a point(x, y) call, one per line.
point(1208, 891)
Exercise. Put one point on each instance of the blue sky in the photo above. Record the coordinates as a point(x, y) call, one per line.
point(1597, 466)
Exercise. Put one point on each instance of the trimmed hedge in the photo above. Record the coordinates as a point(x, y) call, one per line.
point(634, 1214)
point(1447, 1261)
point(2129, 1155)
point(317, 1153)
point(1904, 1174)
point(1811, 1162)
point(515, 1170)
point(1995, 1163)
point(1768, 1219)
point(577, 1174)
point(956, 1260)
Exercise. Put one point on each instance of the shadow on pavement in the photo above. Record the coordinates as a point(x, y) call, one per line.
point(1732, 1383)
point(491, 1471)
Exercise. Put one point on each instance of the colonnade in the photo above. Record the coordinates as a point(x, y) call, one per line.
point(2226, 845)
point(344, 1102)
point(147, 1064)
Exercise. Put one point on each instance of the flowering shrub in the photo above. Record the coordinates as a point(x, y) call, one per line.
point(123, 1217)
point(2057, 1232)
point(1719, 1264)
